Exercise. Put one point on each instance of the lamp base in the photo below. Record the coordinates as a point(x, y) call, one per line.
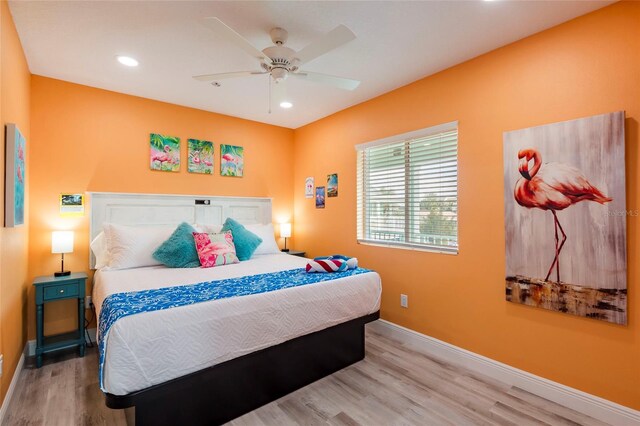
point(62, 273)
point(285, 250)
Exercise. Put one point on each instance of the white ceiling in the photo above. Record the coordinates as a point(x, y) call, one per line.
point(397, 43)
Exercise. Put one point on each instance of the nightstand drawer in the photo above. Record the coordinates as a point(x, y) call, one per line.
point(61, 291)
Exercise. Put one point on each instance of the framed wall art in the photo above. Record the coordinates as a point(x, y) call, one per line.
point(332, 185)
point(164, 153)
point(231, 160)
point(320, 197)
point(200, 156)
point(308, 187)
point(15, 172)
point(565, 217)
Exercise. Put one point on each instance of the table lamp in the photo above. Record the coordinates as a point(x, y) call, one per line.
point(285, 232)
point(62, 242)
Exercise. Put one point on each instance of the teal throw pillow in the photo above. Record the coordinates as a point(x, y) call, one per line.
point(179, 250)
point(246, 241)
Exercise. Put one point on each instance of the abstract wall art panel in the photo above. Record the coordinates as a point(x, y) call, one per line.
point(231, 160)
point(565, 217)
point(332, 185)
point(164, 153)
point(320, 197)
point(15, 175)
point(200, 154)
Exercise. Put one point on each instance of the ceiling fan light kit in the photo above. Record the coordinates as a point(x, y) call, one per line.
point(280, 61)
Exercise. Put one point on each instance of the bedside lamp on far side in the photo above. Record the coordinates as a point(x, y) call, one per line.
point(285, 232)
point(62, 242)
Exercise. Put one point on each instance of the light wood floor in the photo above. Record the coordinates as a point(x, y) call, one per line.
point(392, 386)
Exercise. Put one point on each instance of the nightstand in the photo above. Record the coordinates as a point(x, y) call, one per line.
point(296, 253)
point(50, 289)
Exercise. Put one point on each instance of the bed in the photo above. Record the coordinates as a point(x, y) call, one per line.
point(210, 362)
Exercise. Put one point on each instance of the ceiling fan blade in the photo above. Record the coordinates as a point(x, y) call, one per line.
point(220, 76)
point(333, 39)
point(340, 82)
point(222, 30)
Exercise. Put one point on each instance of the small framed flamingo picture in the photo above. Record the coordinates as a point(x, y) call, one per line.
point(200, 156)
point(164, 153)
point(231, 160)
point(565, 217)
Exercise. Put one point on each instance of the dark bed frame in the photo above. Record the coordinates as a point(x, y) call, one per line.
point(228, 390)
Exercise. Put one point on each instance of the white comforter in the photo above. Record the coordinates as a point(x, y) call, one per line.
point(153, 347)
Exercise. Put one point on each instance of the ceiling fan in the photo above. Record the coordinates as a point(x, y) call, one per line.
point(280, 61)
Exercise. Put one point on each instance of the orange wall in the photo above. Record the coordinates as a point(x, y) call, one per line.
point(587, 66)
point(15, 94)
point(86, 139)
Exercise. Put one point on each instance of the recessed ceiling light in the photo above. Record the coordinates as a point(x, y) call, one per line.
point(286, 104)
point(128, 61)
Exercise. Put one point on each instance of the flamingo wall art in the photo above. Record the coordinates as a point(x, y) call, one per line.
point(164, 153)
point(565, 217)
point(200, 156)
point(15, 173)
point(231, 160)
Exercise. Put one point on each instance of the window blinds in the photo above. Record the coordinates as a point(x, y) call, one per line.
point(408, 190)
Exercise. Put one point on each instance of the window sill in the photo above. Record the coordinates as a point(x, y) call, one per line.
point(408, 247)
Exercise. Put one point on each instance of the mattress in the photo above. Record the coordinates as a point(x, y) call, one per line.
point(149, 348)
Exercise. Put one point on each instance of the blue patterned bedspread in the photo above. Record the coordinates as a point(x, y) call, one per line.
point(120, 305)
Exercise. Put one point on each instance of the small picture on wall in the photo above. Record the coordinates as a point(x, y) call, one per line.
point(71, 204)
point(164, 153)
point(320, 194)
point(200, 156)
point(332, 185)
point(15, 176)
point(231, 160)
point(308, 187)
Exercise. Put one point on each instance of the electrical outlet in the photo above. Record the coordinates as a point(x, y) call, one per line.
point(88, 301)
point(1, 360)
point(404, 300)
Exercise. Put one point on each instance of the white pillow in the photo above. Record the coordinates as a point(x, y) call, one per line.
point(209, 229)
point(131, 246)
point(268, 244)
point(99, 249)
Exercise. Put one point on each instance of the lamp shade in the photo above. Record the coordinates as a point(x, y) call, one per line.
point(62, 242)
point(285, 230)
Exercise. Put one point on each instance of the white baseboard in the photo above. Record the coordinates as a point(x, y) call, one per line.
point(591, 405)
point(31, 344)
point(12, 387)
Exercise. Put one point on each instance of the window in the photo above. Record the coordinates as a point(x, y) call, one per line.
point(408, 190)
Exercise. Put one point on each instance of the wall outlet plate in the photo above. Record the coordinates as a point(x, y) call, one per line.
point(404, 300)
point(1, 361)
point(88, 301)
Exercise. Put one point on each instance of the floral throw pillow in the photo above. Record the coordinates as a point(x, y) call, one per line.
point(215, 249)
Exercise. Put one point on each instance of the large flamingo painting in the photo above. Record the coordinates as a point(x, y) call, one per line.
point(565, 217)
point(552, 187)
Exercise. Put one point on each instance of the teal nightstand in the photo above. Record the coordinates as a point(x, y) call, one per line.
point(49, 289)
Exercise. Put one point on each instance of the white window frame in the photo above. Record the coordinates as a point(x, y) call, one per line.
point(362, 218)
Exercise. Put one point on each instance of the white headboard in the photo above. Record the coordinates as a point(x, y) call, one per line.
point(165, 209)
